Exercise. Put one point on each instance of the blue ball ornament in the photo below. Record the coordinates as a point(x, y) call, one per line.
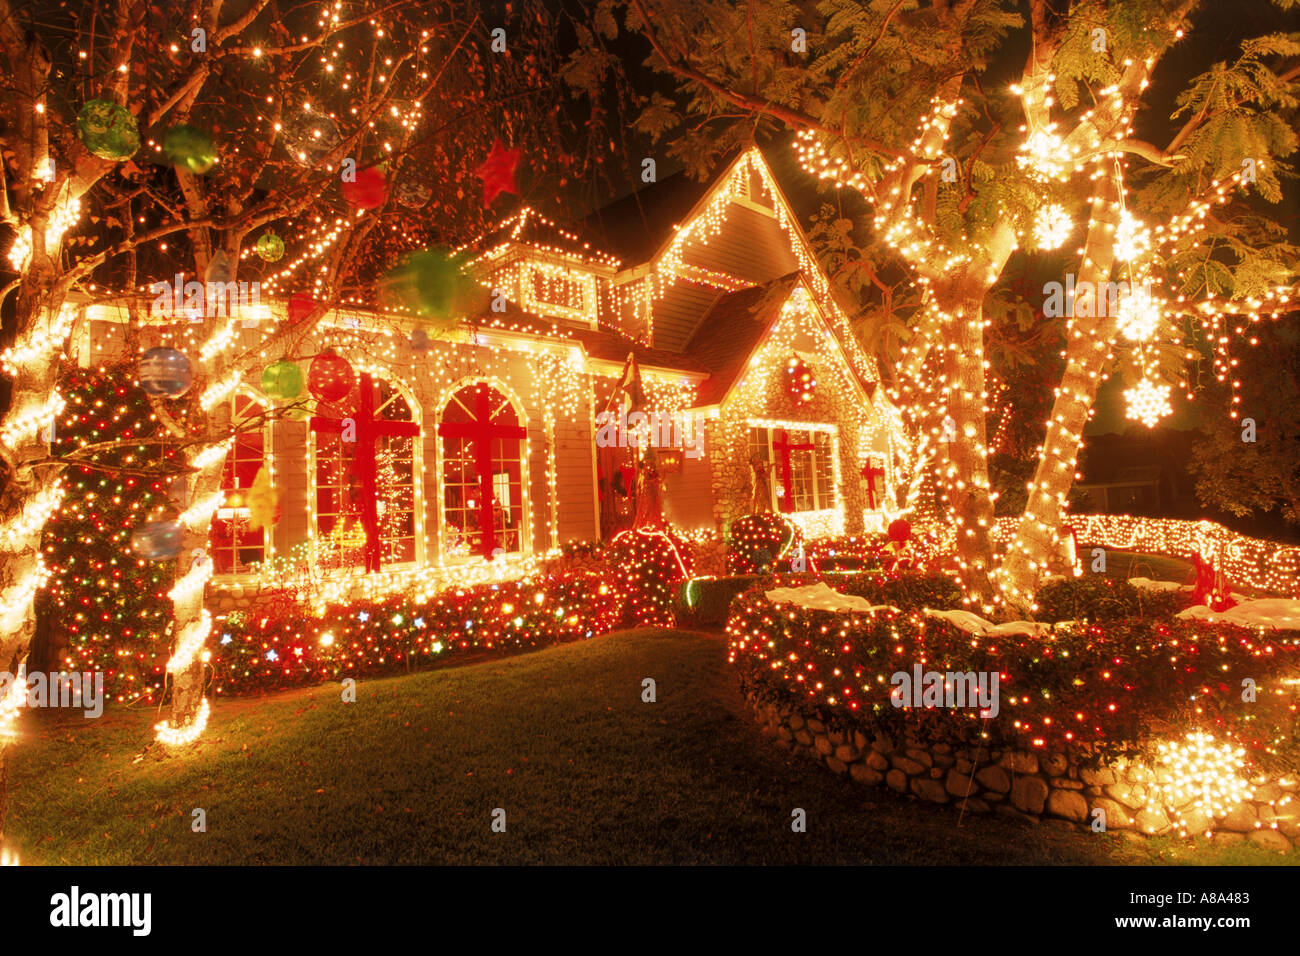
point(157, 540)
point(165, 373)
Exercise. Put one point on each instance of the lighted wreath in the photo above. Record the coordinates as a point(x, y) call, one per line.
point(799, 379)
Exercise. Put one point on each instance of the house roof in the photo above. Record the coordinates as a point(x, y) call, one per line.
point(597, 343)
point(732, 329)
point(529, 227)
point(635, 227)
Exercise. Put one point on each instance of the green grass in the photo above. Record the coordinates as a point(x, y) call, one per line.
point(559, 738)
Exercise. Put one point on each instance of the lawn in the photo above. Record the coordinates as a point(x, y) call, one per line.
point(558, 738)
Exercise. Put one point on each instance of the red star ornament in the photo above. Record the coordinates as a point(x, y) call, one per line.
point(498, 172)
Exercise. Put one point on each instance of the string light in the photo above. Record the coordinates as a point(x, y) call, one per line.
point(171, 736)
point(1202, 775)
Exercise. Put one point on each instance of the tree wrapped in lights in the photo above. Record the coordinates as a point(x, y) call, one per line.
point(961, 177)
point(290, 97)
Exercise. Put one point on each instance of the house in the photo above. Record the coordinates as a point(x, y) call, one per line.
point(703, 300)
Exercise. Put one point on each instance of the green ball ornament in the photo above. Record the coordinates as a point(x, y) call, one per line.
point(190, 148)
point(282, 380)
point(109, 131)
point(270, 247)
point(431, 283)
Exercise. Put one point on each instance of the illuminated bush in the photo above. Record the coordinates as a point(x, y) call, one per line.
point(284, 645)
point(1092, 690)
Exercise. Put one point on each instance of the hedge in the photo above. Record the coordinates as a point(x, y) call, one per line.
point(1096, 690)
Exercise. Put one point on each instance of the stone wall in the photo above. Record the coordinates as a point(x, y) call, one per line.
point(221, 599)
point(1050, 788)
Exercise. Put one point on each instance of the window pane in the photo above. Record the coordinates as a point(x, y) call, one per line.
point(339, 495)
point(231, 542)
point(467, 459)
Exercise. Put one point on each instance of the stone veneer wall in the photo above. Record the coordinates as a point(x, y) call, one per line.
point(1030, 787)
point(224, 598)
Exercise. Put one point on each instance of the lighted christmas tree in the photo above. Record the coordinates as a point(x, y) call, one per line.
point(107, 609)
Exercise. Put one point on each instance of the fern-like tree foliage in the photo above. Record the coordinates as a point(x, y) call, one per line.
point(1249, 465)
point(990, 138)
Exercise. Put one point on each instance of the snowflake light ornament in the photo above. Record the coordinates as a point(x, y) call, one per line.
point(1052, 226)
point(1045, 156)
point(1132, 238)
point(1147, 403)
point(1139, 315)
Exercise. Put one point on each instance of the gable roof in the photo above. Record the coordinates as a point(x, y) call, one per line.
point(732, 329)
point(601, 344)
point(637, 226)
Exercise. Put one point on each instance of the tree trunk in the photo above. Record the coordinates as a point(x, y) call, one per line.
point(966, 472)
point(1037, 544)
point(27, 498)
point(189, 629)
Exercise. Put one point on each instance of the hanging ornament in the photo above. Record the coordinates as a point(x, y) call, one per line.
point(219, 270)
point(157, 540)
point(430, 283)
point(282, 380)
point(411, 191)
point(309, 137)
point(419, 341)
point(799, 380)
point(270, 247)
point(330, 378)
point(368, 190)
point(498, 172)
point(1052, 226)
point(109, 131)
point(165, 373)
point(300, 306)
point(190, 148)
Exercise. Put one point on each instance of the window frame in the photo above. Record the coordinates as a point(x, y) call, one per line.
point(407, 394)
point(769, 428)
point(268, 462)
point(525, 471)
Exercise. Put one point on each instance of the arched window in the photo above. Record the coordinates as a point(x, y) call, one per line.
point(366, 468)
point(482, 439)
point(232, 541)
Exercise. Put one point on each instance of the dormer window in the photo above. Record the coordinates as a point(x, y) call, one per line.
point(559, 291)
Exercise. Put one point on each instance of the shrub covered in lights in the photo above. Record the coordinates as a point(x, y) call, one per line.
point(907, 591)
point(1095, 598)
point(648, 565)
point(284, 645)
point(760, 542)
point(1092, 691)
point(706, 601)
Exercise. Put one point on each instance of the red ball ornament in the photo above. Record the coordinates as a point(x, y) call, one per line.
point(330, 377)
point(300, 306)
point(899, 530)
point(799, 379)
point(368, 190)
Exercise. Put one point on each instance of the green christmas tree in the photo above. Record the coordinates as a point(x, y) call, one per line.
point(107, 609)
